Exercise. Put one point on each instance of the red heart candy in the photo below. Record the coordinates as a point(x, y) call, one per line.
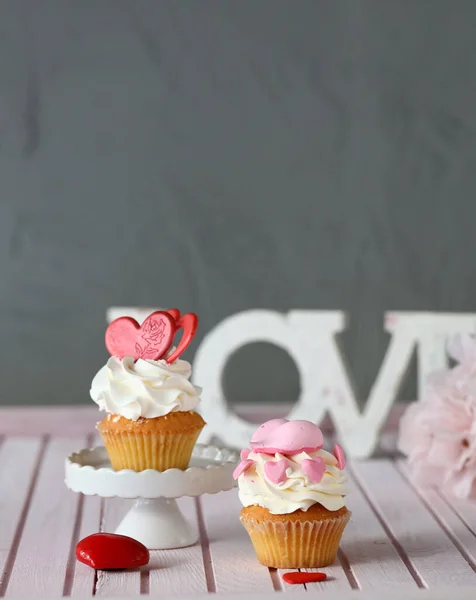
point(111, 551)
point(151, 340)
point(303, 577)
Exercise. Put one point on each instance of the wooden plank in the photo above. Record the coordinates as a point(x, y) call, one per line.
point(462, 536)
point(234, 563)
point(443, 593)
point(119, 583)
point(373, 558)
point(19, 462)
point(82, 579)
point(178, 571)
point(464, 509)
point(44, 548)
point(430, 553)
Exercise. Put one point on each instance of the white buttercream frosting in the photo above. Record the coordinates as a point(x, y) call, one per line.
point(298, 491)
point(145, 388)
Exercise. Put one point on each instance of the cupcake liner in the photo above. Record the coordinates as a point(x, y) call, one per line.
point(295, 544)
point(141, 451)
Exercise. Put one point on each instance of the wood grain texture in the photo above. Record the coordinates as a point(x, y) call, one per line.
point(18, 461)
point(433, 555)
point(235, 567)
point(44, 547)
point(178, 571)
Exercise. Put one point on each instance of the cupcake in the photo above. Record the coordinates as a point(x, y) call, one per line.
point(292, 493)
point(145, 388)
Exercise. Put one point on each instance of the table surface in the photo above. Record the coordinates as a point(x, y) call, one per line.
point(399, 538)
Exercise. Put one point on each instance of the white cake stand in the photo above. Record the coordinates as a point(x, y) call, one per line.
point(155, 519)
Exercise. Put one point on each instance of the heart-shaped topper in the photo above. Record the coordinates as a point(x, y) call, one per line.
point(153, 339)
point(276, 471)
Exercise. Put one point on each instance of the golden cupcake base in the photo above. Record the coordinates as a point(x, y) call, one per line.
point(298, 540)
point(161, 443)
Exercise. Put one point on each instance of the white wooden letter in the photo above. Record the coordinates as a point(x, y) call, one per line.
point(309, 337)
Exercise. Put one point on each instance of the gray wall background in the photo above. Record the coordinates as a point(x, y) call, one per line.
point(220, 156)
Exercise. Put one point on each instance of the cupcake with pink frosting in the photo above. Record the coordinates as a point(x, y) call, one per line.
point(293, 495)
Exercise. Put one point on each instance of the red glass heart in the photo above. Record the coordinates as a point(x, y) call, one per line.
point(111, 551)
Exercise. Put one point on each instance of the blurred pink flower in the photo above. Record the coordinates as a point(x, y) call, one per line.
point(438, 434)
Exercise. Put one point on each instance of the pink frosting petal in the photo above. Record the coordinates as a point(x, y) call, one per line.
point(241, 468)
point(245, 453)
point(314, 468)
point(340, 456)
point(287, 437)
point(276, 471)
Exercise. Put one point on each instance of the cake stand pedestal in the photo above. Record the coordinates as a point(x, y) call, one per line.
point(155, 519)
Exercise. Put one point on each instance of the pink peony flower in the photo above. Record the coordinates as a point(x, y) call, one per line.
point(438, 434)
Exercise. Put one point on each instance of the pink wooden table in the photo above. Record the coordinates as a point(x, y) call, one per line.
point(400, 539)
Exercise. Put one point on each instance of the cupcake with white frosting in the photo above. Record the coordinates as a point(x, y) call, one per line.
point(293, 495)
point(152, 423)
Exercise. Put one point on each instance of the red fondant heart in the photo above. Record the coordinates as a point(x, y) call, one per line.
point(314, 468)
point(175, 313)
point(189, 324)
point(111, 551)
point(303, 577)
point(151, 340)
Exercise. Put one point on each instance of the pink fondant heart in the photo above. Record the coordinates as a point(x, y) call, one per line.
point(276, 471)
point(314, 468)
point(152, 339)
point(339, 454)
point(241, 468)
point(245, 453)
